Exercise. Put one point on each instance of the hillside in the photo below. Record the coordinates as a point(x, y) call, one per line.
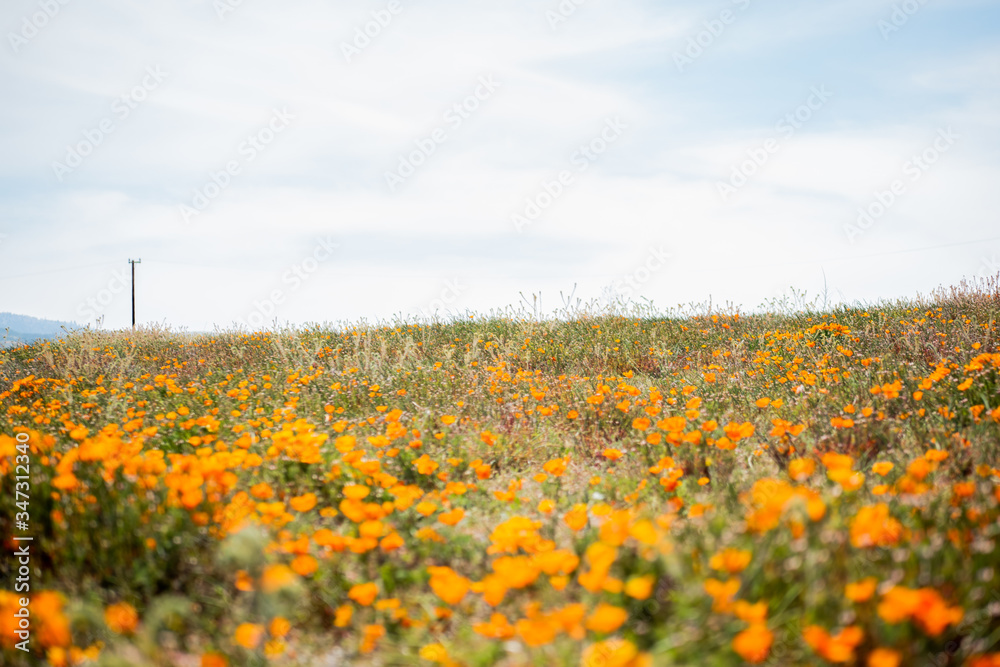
point(812, 488)
point(20, 329)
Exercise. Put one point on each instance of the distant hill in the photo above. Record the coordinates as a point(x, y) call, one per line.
point(20, 329)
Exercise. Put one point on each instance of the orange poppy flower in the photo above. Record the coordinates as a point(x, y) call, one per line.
point(214, 660)
point(363, 594)
point(121, 618)
point(248, 635)
point(279, 626)
point(304, 565)
point(606, 618)
point(754, 643)
point(276, 577)
point(303, 503)
point(861, 591)
point(884, 657)
point(448, 585)
point(732, 561)
point(453, 517)
point(640, 588)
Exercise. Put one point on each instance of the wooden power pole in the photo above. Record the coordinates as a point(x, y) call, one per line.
point(133, 262)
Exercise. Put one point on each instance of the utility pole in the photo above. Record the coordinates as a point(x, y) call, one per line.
point(133, 262)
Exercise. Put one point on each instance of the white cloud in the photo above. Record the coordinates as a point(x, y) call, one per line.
point(324, 175)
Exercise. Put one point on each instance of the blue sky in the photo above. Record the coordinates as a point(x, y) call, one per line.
point(686, 172)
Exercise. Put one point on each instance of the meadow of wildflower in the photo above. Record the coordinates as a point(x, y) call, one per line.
point(804, 488)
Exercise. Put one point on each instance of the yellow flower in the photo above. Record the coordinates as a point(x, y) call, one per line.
point(435, 653)
point(614, 653)
point(426, 508)
point(801, 469)
point(279, 626)
point(640, 588)
point(274, 647)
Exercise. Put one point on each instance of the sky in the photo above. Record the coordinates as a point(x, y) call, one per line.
point(309, 161)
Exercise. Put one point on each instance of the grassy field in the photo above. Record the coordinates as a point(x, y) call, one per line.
point(792, 489)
